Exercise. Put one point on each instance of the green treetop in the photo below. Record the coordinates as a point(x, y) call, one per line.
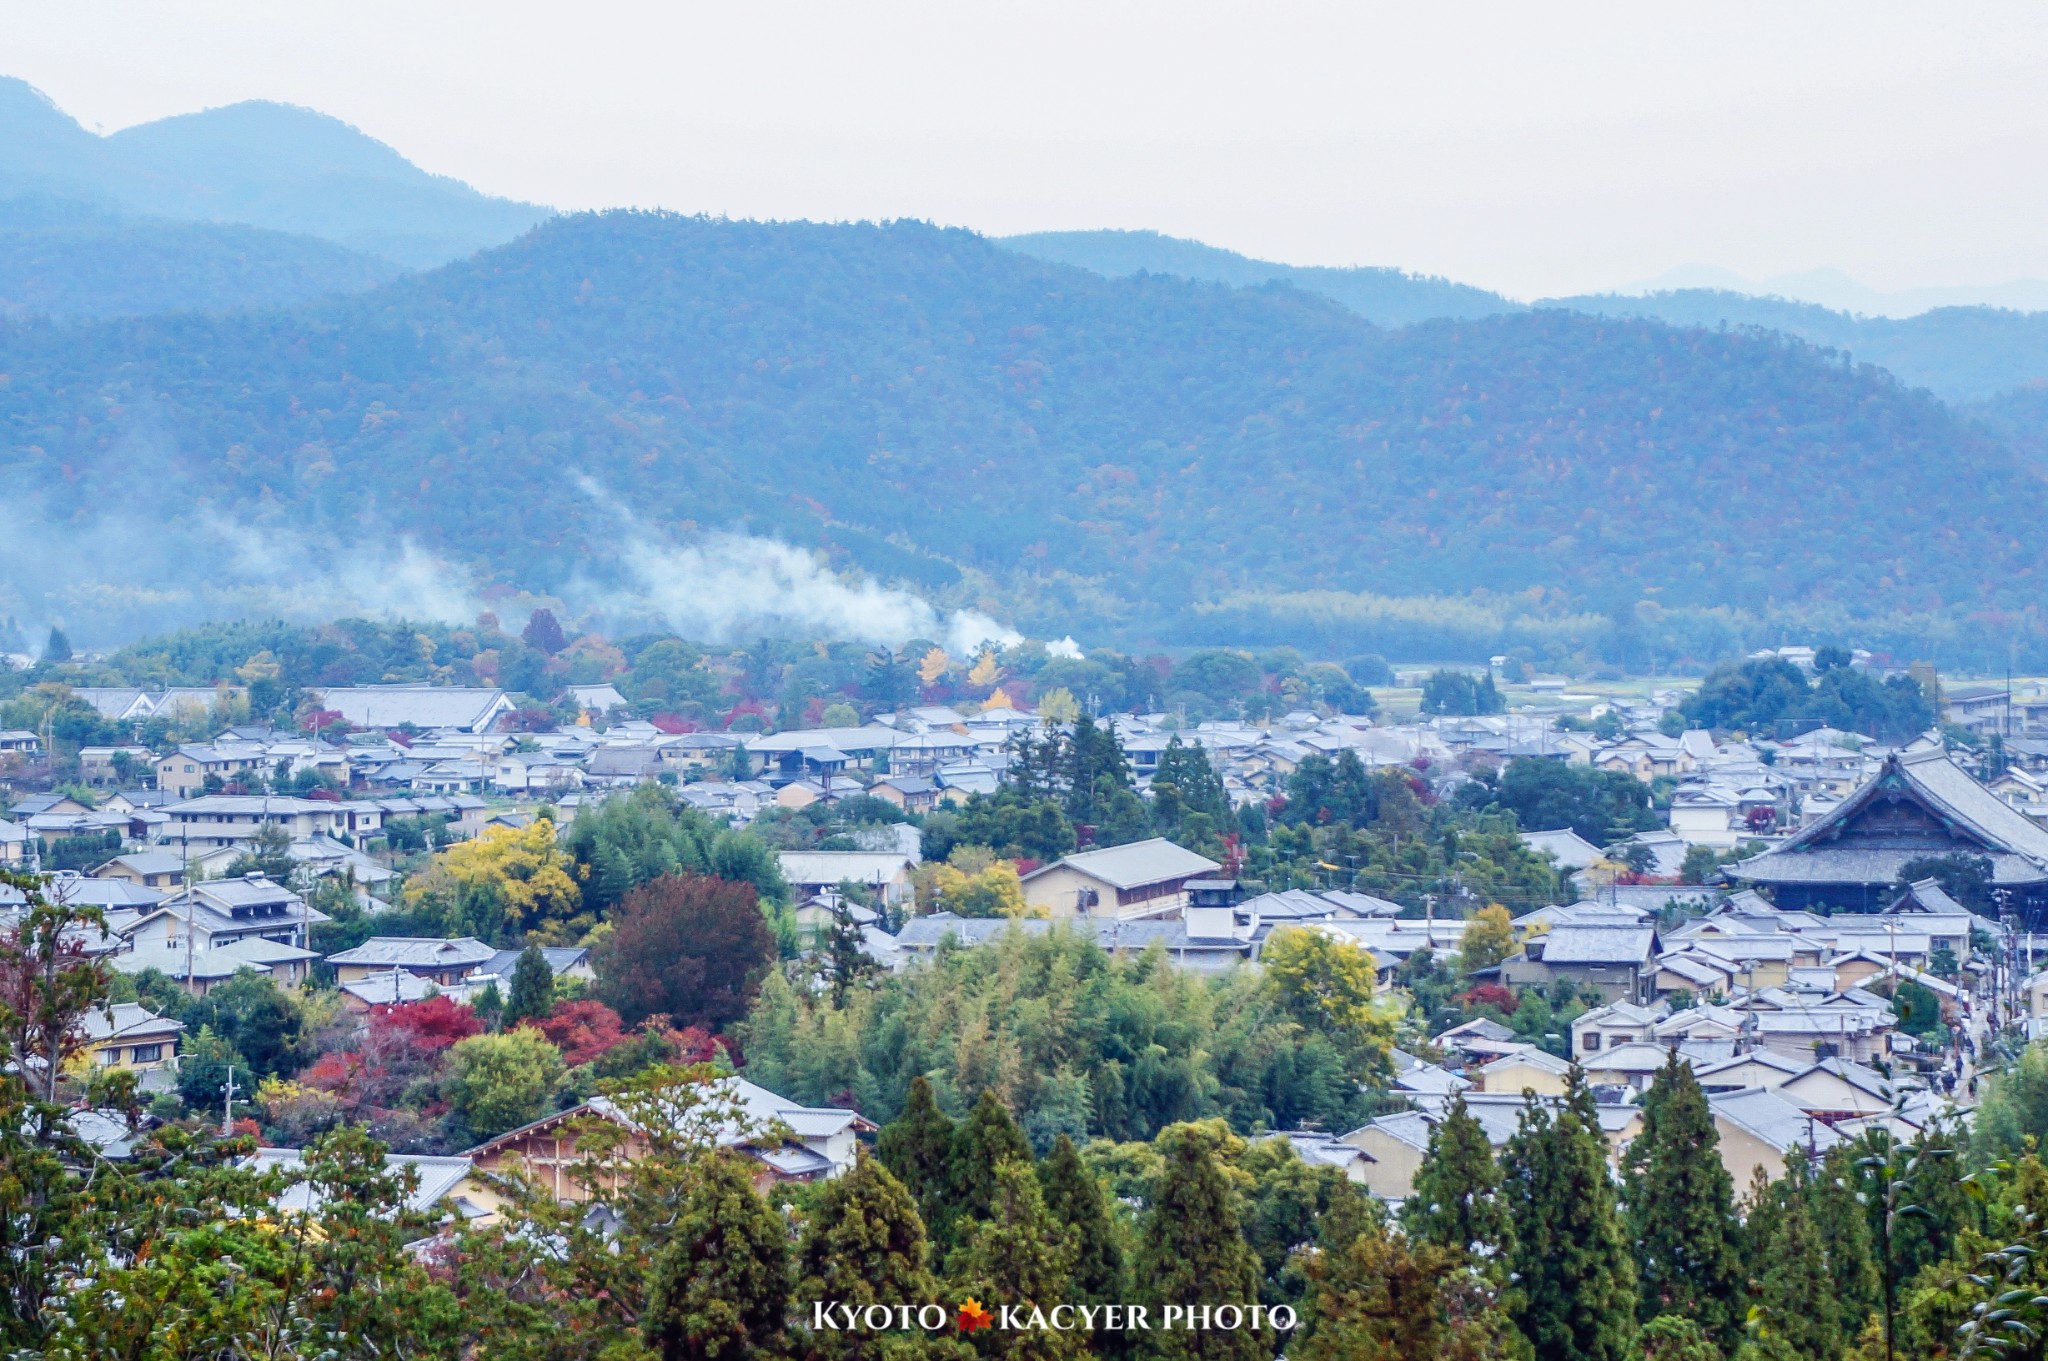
point(721, 1286)
point(1797, 1313)
point(986, 1139)
point(1576, 1288)
point(1457, 1203)
point(917, 1146)
point(864, 1244)
point(1193, 1251)
point(533, 988)
point(1021, 1255)
point(1076, 1199)
point(1681, 1208)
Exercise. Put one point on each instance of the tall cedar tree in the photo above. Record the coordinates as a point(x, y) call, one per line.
point(1386, 1298)
point(1021, 1255)
point(1681, 1209)
point(1076, 1199)
point(1796, 1299)
point(986, 1139)
point(864, 1244)
point(1187, 769)
point(917, 1147)
point(533, 988)
point(1576, 1297)
point(688, 947)
point(1844, 1231)
point(1193, 1251)
point(1457, 1203)
point(721, 1287)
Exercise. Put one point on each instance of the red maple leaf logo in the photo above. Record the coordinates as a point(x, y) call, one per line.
point(973, 1316)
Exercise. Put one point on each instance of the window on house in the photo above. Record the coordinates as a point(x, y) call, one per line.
point(110, 1056)
point(146, 1053)
point(1592, 1040)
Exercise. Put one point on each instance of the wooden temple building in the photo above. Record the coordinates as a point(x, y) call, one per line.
point(1920, 804)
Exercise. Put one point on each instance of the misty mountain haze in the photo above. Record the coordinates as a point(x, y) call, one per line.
point(259, 164)
point(1109, 431)
point(1146, 457)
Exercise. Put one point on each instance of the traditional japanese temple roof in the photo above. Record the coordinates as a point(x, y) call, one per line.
point(1920, 804)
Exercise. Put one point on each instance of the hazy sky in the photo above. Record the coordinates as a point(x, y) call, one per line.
point(1531, 148)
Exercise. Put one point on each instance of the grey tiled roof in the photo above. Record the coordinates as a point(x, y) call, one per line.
point(1140, 862)
point(1576, 943)
point(416, 952)
point(2016, 846)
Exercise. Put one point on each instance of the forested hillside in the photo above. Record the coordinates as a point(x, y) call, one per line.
point(64, 259)
point(1117, 455)
point(1960, 354)
point(1385, 297)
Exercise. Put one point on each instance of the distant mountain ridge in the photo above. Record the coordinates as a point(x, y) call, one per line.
point(1961, 354)
point(256, 164)
point(62, 258)
point(1385, 297)
point(1145, 458)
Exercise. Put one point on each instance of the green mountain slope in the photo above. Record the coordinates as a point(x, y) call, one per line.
point(258, 164)
point(1124, 456)
point(1960, 354)
point(1385, 297)
point(64, 259)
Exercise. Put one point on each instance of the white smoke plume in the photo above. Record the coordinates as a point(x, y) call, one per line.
point(722, 586)
point(388, 581)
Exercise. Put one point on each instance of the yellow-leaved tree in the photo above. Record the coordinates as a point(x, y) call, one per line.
point(1058, 705)
point(1331, 985)
point(510, 877)
point(1489, 938)
point(993, 891)
point(934, 666)
point(987, 670)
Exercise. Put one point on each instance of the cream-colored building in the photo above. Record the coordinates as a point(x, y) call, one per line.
point(1758, 1127)
point(1528, 1069)
point(1142, 879)
point(131, 1036)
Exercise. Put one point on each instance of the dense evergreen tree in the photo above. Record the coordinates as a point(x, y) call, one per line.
point(985, 1140)
point(533, 988)
point(1458, 1205)
point(1020, 1255)
point(1192, 1250)
point(1382, 1298)
point(1460, 692)
point(1843, 1227)
point(1674, 1337)
point(1600, 805)
point(1076, 1199)
point(1759, 694)
point(1796, 1298)
point(865, 1244)
point(917, 1147)
point(1681, 1208)
point(1187, 768)
point(1576, 1290)
point(720, 1290)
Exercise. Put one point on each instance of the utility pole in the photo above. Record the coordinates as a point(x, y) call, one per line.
point(227, 1103)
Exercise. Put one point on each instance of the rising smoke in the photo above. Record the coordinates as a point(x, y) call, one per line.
point(117, 578)
point(720, 587)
